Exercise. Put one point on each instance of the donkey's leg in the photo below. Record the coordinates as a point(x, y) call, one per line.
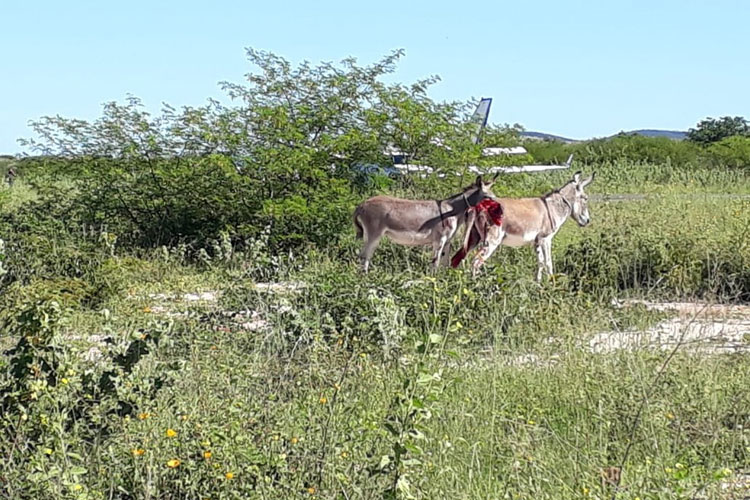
point(437, 251)
point(547, 242)
point(371, 241)
point(493, 239)
point(540, 260)
point(445, 258)
point(544, 257)
point(442, 246)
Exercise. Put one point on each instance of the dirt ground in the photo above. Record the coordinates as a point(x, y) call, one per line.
point(697, 327)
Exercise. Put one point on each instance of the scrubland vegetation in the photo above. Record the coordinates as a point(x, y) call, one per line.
point(183, 315)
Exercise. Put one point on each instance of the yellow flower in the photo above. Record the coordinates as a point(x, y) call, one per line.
point(669, 415)
point(48, 451)
point(76, 487)
point(138, 452)
point(311, 490)
point(337, 387)
point(184, 417)
point(585, 491)
point(323, 400)
point(229, 475)
point(143, 416)
point(147, 309)
point(294, 440)
point(207, 454)
point(64, 381)
point(725, 472)
point(173, 464)
point(344, 454)
point(171, 433)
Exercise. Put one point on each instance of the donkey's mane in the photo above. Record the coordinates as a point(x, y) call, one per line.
point(464, 191)
point(547, 195)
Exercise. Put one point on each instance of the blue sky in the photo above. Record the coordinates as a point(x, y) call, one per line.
point(574, 68)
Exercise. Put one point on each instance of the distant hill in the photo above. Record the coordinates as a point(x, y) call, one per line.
point(541, 136)
point(677, 135)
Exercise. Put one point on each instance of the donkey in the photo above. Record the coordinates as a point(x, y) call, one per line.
point(536, 221)
point(416, 222)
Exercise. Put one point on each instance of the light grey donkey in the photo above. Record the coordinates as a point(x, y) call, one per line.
point(535, 221)
point(416, 222)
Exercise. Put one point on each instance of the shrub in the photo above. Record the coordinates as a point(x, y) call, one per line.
point(733, 152)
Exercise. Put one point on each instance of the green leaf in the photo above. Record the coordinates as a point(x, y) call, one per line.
point(78, 470)
point(391, 429)
point(414, 449)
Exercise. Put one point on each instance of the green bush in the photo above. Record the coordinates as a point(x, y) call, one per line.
point(733, 152)
point(617, 149)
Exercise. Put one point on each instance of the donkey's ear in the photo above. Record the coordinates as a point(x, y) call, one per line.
point(588, 181)
point(577, 177)
point(478, 182)
point(489, 183)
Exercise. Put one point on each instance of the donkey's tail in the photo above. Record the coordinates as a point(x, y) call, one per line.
point(358, 225)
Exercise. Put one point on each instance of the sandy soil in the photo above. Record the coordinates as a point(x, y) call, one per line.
point(697, 327)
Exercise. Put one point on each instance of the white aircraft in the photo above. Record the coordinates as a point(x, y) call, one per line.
point(479, 117)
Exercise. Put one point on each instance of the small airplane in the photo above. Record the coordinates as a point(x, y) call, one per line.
point(479, 117)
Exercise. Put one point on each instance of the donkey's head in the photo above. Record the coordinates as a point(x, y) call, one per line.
point(479, 190)
point(580, 200)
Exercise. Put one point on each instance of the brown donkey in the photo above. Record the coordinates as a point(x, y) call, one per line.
point(527, 221)
point(416, 222)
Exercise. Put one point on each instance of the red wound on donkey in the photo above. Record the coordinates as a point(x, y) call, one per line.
point(486, 212)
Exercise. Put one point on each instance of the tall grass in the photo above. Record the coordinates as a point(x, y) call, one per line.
point(395, 384)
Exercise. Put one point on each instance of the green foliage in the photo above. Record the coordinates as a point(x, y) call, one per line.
point(284, 156)
point(713, 130)
point(734, 152)
point(630, 148)
point(59, 392)
point(671, 248)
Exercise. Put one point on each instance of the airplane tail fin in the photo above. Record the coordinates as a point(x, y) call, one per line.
point(479, 118)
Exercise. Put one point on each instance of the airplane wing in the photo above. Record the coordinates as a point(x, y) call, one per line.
point(425, 170)
point(531, 168)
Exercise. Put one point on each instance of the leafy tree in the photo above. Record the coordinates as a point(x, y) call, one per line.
point(282, 154)
point(713, 130)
